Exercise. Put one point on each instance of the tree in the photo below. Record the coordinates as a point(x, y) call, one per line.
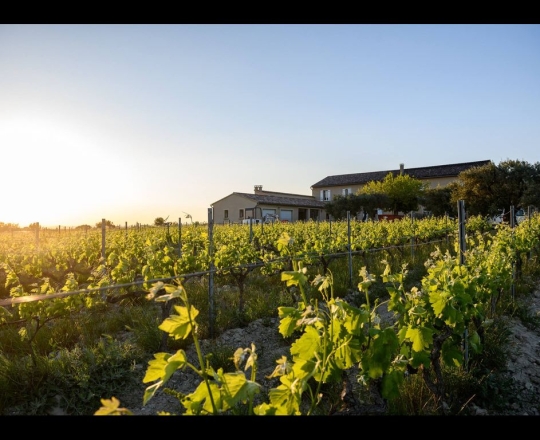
point(371, 202)
point(476, 187)
point(338, 207)
point(531, 195)
point(108, 223)
point(519, 182)
point(439, 201)
point(8, 226)
point(489, 188)
point(84, 227)
point(354, 203)
point(159, 221)
point(403, 192)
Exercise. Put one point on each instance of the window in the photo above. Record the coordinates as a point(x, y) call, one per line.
point(325, 195)
point(226, 214)
point(241, 213)
point(346, 191)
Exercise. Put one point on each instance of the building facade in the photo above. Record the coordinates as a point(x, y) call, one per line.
point(343, 184)
point(266, 205)
point(271, 205)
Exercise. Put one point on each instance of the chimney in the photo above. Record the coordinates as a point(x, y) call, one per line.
point(401, 167)
point(258, 188)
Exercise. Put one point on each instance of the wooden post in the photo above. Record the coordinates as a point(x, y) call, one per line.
point(412, 237)
point(211, 273)
point(103, 239)
point(513, 225)
point(350, 249)
point(461, 231)
point(446, 226)
point(462, 242)
point(179, 237)
point(37, 236)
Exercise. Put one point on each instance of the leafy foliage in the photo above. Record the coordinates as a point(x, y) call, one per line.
point(438, 201)
point(491, 187)
point(403, 192)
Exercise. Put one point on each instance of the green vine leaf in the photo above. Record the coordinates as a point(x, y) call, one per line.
point(164, 365)
point(111, 407)
point(199, 402)
point(289, 316)
point(179, 326)
point(421, 337)
point(391, 383)
point(452, 354)
point(306, 345)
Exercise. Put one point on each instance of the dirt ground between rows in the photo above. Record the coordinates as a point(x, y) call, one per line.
point(523, 365)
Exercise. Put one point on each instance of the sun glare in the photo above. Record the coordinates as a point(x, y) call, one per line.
point(50, 173)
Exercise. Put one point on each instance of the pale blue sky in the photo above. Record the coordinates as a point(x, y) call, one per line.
point(133, 122)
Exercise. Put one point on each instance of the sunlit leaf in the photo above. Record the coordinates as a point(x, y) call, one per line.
point(306, 345)
point(111, 407)
point(421, 337)
point(179, 325)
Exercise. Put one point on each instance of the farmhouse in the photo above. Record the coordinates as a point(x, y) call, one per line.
point(344, 184)
point(262, 204)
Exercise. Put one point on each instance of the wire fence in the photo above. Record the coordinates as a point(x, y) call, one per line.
point(212, 271)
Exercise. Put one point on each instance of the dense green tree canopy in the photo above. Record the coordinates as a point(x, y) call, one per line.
point(338, 207)
point(373, 201)
point(84, 227)
point(485, 190)
point(403, 192)
point(490, 188)
point(438, 201)
point(356, 203)
point(108, 223)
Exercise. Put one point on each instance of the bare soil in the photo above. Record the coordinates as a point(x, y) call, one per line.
point(523, 366)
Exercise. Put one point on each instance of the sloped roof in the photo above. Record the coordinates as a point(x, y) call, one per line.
point(451, 170)
point(284, 200)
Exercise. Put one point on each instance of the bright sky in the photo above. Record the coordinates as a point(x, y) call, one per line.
point(133, 122)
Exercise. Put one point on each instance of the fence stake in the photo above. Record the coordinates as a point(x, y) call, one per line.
point(461, 221)
point(446, 227)
point(179, 237)
point(211, 272)
point(513, 225)
point(37, 236)
point(103, 239)
point(350, 249)
point(412, 237)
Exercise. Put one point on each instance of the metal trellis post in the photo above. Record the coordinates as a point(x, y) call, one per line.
point(211, 272)
point(103, 239)
point(462, 242)
point(349, 245)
